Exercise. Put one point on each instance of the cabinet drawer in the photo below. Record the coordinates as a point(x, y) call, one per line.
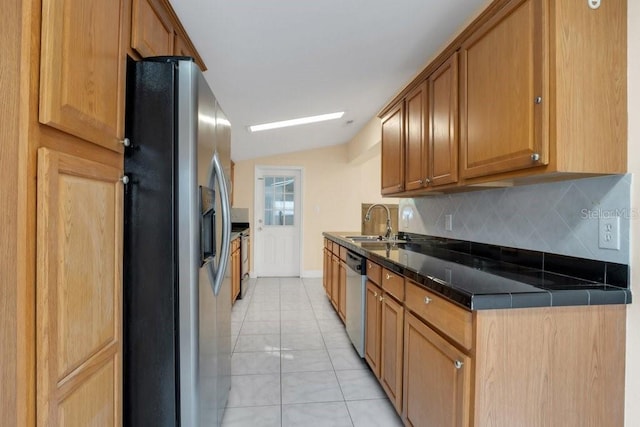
point(448, 318)
point(374, 272)
point(343, 253)
point(393, 283)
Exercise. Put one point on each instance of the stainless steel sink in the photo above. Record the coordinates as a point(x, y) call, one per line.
point(372, 238)
point(361, 238)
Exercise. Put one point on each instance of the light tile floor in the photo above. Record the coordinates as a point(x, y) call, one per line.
point(293, 363)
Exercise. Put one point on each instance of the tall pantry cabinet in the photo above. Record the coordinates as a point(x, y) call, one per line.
point(61, 164)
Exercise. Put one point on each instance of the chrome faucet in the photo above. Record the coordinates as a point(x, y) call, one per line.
point(367, 217)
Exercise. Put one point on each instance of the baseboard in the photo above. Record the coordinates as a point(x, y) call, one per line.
point(311, 274)
point(307, 274)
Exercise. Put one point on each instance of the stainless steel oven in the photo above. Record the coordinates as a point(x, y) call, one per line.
point(356, 294)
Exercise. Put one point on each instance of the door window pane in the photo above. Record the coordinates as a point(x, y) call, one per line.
point(279, 205)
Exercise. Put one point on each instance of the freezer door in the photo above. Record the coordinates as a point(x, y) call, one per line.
point(205, 301)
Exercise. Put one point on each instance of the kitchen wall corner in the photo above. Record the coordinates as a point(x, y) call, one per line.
point(559, 217)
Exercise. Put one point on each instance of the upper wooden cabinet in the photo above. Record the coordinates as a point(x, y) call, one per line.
point(504, 103)
point(532, 90)
point(157, 31)
point(416, 143)
point(429, 114)
point(393, 150)
point(443, 124)
point(544, 87)
point(152, 32)
point(82, 70)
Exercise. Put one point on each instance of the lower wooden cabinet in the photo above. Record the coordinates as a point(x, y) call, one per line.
point(235, 269)
point(384, 318)
point(436, 378)
point(391, 349)
point(373, 316)
point(334, 277)
point(326, 271)
point(335, 281)
point(78, 292)
point(342, 291)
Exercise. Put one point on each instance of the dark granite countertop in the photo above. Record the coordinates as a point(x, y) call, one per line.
point(478, 276)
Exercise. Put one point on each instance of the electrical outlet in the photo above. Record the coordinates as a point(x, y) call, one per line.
point(448, 222)
point(609, 233)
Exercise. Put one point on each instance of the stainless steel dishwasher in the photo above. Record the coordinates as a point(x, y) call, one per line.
point(356, 288)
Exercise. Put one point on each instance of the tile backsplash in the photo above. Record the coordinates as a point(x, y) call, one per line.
point(559, 217)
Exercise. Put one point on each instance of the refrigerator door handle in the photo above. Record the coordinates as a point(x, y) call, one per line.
point(217, 176)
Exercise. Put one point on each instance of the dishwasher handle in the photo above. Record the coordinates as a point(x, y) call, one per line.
point(356, 262)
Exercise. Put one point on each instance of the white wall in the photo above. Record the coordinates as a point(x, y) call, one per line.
point(632, 398)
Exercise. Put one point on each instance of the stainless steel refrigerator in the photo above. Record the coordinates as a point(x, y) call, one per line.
point(177, 290)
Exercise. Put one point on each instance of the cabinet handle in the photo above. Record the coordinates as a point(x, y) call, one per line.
point(375, 294)
point(427, 180)
point(535, 157)
point(427, 300)
point(389, 276)
point(124, 180)
point(381, 298)
point(538, 100)
point(458, 364)
point(126, 142)
point(420, 181)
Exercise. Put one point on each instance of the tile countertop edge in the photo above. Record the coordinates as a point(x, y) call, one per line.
point(544, 298)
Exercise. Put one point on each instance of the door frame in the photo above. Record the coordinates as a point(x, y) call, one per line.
point(254, 247)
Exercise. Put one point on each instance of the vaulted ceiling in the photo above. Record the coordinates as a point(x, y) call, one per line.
point(271, 60)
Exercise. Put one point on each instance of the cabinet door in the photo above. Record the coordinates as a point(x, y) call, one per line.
point(342, 292)
point(326, 271)
point(372, 327)
point(335, 280)
point(79, 292)
point(502, 75)
point(436, 378)
point(416, 144)
point(151, 29)
point(235, 274)
point(181, 48)
point(393, 151)
point(443, 123)
point(391, 339)
point(82, 69)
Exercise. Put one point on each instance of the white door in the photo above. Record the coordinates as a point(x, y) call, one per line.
point(277, 221)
